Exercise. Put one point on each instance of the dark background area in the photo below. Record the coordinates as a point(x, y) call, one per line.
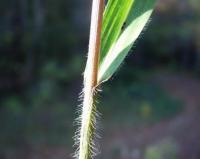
point(150, 108)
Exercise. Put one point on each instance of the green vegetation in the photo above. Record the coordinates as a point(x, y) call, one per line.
point(109, 44)
point(43, 46)
point(138, 104)
point(166, 149)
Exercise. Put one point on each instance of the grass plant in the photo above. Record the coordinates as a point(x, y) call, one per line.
point(115, 26)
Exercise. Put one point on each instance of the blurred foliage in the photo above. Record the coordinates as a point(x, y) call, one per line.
point(173, 39)
point(141, 101)
point(166, 149)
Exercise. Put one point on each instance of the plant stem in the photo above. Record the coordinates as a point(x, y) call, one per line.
point(86, 146)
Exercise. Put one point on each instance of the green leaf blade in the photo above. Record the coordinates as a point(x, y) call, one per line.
point(115, 15)
point(136, 21)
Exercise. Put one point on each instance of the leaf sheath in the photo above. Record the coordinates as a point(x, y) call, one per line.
point(86, 147)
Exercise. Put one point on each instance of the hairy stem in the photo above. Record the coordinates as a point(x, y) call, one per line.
point(86, 146)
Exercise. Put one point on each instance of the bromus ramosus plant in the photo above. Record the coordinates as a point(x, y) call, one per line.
point(115, 26)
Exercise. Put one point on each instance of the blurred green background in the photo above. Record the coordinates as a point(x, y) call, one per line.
point(149, 109)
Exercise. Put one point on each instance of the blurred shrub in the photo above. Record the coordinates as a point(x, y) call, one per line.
point(166, 149)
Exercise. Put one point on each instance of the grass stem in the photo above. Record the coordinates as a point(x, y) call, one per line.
point(88, 116)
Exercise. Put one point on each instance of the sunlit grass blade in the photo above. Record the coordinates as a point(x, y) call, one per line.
point(136, 21)
point(115, 14)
